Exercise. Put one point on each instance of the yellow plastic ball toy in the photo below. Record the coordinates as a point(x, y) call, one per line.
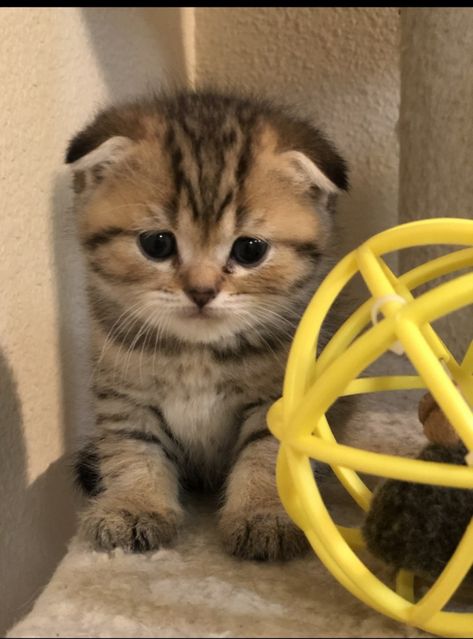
point(313, 382)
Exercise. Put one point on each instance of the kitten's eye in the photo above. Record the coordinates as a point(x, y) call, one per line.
point(248, 251)
point(157, 246)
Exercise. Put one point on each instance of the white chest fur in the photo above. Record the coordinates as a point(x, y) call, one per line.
point(200, 406)
point(200, 397)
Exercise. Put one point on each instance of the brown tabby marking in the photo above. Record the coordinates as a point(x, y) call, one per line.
point(189, 349)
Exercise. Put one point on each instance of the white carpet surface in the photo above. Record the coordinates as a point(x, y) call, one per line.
point(196, 590)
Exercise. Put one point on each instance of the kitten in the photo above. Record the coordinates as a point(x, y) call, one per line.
point(204, 219)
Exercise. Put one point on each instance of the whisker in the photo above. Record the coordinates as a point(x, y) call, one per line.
point(130, 350)
point(117, 326)
point(131, 322)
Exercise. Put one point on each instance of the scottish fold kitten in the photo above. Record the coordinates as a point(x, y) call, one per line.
point(204, 219)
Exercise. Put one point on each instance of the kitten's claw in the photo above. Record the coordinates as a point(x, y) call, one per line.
point(107, 529)
point(263, 536)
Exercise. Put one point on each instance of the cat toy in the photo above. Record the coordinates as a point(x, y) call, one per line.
point(313, 382)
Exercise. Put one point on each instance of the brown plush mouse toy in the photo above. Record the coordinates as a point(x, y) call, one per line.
point(418, 526)
point(437, 428)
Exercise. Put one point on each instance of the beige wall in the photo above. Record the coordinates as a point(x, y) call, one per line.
point(341, 66)
point(56, 67)
point(436, 131)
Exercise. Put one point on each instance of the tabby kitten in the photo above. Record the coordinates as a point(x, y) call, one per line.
point(204, 219)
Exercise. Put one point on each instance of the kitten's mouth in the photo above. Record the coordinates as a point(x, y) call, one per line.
point(202, 325)
point(201, 314)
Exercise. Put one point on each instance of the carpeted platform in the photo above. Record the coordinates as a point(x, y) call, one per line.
point(195, 590)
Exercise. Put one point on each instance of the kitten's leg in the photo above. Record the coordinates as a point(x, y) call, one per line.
point(253, 521)
point(132, 480)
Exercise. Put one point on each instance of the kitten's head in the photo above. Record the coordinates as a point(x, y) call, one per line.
point(204, 215)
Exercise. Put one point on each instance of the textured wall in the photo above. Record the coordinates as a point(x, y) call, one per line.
point(341, 66)
point(57, 66)
point(436, 130)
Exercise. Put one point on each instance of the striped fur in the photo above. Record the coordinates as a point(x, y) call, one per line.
point(182, 392)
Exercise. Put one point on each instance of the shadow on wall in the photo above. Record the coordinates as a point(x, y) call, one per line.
point(35, 537)
point(76, 401)
point(137, 49)
point(34, 509)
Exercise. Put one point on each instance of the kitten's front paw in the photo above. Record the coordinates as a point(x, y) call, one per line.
point(264, 536)
point(107, 528)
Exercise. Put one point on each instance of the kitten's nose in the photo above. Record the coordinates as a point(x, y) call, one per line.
point(201, 296)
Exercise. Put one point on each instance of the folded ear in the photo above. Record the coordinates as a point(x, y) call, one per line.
point(307, 177)
point(302, 171)
point(91, 169)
